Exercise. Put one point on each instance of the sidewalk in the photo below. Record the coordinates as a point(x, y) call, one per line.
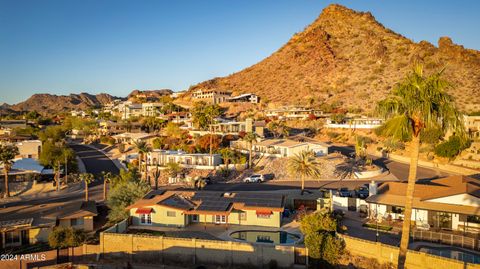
point(355, 229)
point(449, 168)
point(42, 190)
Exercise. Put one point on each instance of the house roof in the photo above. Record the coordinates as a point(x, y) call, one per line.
point(393, 193)
point(133, 135)
point(205, 202)
point(79, 209)
point(286, 143)
point(27, 164)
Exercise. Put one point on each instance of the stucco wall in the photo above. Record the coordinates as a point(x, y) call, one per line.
point(160, 218)
point(388, 254)
point(181, 251)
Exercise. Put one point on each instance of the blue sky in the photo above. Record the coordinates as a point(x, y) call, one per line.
point(62, 47)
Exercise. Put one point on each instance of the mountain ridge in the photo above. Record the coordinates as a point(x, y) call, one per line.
point(347, 59)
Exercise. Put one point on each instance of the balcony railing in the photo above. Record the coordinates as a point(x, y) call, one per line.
point(447, 238)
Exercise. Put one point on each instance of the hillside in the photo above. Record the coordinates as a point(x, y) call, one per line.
point(49, 103)
point(149, 94)
point(348, 59)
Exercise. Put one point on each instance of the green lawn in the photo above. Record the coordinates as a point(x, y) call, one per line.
point(380, 226)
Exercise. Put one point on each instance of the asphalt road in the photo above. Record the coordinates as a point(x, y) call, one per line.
point(399, 170)
point(95, 162)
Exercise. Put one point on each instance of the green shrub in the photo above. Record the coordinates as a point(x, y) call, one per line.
point(431, 135)
point(451, 148)
point(332, 135)
point(380, 227)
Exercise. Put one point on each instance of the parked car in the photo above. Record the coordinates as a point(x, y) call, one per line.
point(344, 192)
point(256, 178)
point(362, 192)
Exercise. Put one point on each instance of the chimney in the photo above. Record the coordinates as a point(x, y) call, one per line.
point(372, 188)
point(249, 125)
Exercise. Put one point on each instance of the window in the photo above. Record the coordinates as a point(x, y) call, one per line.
point(75, 222)
point(171, 213)
point(264, 216)
point(264, 239)
point(243, 216)
point(146, 218)
point(220, 219)
point(12, 237)
point(395, 209)
point(473, 219)
point(194, 218)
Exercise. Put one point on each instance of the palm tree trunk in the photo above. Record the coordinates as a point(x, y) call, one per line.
point(303, 184)
point(412, 175)
point(104, 190)
point(57, 179)
point(86, 191)
point(250, 155)
point(7, 190)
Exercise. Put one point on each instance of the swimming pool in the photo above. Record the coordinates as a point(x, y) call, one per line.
point(276, 238)
point(452, 253)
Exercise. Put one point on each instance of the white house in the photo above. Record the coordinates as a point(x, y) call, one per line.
point(186, 160)
point(213, 96)
point(450, 203)
point(355, 123)
point(245, 98)
point(130, 138)
point(282, 147)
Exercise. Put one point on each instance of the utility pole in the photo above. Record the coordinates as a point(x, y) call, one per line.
point(376, 220)
point(66, 170)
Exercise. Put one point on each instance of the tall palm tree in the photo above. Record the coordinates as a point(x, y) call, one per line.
point(7, 154)
point(143, 150)
point(227, 155)
point(87, 178)
point(250, 138)
point(156, 174)
point(304, 164)
point(417, 103)
point(107, 179)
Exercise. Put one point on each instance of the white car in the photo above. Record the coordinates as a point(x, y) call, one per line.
point(254, 179)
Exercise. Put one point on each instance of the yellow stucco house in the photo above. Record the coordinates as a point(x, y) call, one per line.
point(25, 225)
point(181, 208)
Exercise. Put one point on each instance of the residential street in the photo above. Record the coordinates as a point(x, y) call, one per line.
point(95, 162)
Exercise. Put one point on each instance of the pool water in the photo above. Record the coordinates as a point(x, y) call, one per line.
point(277, 238)
point(452, 253)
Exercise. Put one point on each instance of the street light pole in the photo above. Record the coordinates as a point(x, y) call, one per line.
point(376, 220)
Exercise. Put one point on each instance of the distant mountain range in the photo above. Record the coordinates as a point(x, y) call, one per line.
point(50, 103)
point(348, 59)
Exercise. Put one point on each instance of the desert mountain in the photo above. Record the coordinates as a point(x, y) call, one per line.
point(49, 103)
point(149, 94)
point(348, 59)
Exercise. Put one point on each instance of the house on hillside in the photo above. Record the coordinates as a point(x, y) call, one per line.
point(7, 126)
point(294, 113)
point(131, 138)
point(213, 96)
point(31, 224)
point(450, 203)
point(355, 123)
point(245, 98)
point(472, 125)
point(29, 149)
point(234, 128)
point(186, 160)
point(180, 209)
point(282, 147)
